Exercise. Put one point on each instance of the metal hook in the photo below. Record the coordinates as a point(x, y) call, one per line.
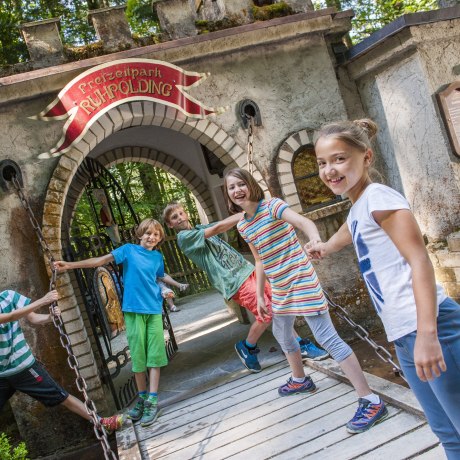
point(249, 109)
point(8, 170)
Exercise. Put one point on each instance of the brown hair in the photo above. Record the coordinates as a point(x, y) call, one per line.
point(255, 190)
point(146, 224)
point(170, 208)
point(357, 133)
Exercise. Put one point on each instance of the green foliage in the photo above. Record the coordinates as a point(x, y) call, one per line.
point(372, 15)
point(75, 28)
point(277, 10)
point(7, 452)
point(232, 20)
point(141, 18)
point(148, 190)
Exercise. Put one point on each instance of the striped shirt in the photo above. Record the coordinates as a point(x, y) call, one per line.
point(15, 354)
point(295, 286)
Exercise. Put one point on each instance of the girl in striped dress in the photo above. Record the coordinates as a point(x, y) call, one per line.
point(268, 227)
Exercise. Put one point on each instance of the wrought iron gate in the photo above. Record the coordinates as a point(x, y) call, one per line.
point(100, 291)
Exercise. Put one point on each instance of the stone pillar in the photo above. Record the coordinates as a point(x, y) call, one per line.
point(241, 8)
point(112, 28)
point(44, 42)
point(300, 6)
point(177, 18)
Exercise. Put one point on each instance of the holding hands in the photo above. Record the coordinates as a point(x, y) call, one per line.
point(183, 286)
point(316, 249)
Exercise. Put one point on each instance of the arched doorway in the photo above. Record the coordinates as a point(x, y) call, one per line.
point(134, 131)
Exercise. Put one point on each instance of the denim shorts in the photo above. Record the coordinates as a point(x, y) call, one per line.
point(35, 382)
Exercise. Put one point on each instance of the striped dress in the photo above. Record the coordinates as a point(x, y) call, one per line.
point(15, 354)
point(295, 286)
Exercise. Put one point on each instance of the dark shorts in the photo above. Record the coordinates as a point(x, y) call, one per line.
point(35, 382)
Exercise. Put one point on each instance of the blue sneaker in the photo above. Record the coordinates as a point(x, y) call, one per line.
point(248, 357)
point(309, 350)
point(367, 415)
point(294, 388)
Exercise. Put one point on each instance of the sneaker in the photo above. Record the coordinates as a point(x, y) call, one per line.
point(294, 388)
point(367, 415)
point(150, 414)
point(309, 350)
point(248, 357)
point(173, 308)
point(112, 424)
point(135, 413)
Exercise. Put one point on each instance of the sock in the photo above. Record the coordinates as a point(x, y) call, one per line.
point(153, 397)
point(250, 345)
point(298, 379)
point(373, 398)
point(142, 394)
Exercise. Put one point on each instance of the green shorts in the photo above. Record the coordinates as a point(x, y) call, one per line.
point(146, 340)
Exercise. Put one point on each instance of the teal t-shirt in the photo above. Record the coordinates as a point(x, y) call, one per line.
point(226, 268)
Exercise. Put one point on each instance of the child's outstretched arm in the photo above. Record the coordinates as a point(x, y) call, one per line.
point(304, 224)
point(223, 225)
point(402, 228)
point(260, 284)
point(340, 239)
point(172, 282)
point(62, 265)
point(48, 298)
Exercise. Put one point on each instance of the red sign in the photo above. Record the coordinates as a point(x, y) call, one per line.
point(101, 88)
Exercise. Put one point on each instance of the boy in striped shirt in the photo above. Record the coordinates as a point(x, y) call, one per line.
point(19, 371)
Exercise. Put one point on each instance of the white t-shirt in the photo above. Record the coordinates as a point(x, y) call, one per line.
point(386, 273)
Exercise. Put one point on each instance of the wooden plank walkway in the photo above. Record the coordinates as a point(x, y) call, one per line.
point(245, 418)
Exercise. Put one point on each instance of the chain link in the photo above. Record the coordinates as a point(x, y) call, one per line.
point(250, 146)
point(381, 352)
point(99, 430)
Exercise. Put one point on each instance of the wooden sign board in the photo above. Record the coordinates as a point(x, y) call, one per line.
point(449, 102)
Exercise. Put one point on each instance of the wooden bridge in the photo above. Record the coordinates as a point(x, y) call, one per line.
point(245, 418)
point(213, 408)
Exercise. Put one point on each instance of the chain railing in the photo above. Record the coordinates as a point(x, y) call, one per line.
point(72, 361)
point(381, 352)
point(250, 145)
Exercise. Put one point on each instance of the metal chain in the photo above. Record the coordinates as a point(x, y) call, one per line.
point(382, 353)
point(250, 146)
point(82, 386)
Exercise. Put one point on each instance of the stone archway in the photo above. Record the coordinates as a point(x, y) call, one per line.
point(285, 157)
point(138, 113)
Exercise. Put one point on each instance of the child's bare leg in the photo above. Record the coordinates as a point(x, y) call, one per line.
point(154, 379)
point(295, 361)
point(255, 331)
point(140, 381)
point(76, 406)
point(353, 371)
point(170, 302)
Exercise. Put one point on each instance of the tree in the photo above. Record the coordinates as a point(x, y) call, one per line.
point(372, 15)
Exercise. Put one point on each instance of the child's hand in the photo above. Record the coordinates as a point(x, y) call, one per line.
point(51, 297)
point(61, 265)
point(315, 249)
point(428, 357)
point(183, 287)
point(262, 309)
point(56, 311)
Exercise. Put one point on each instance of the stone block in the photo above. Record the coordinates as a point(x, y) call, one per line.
point(452, 289)
point(242, 8)
point(300, 6)
point(112, 28)
point(453, 242)
point(449, 259)
point(44, 42)
point(444, 274)
point(177, 19)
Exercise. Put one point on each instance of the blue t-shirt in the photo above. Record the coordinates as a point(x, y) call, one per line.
point(141, 268)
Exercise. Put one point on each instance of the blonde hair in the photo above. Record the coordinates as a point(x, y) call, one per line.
point(146, 224)
point(170, 208)
point(357, 133)
point(255, 190)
